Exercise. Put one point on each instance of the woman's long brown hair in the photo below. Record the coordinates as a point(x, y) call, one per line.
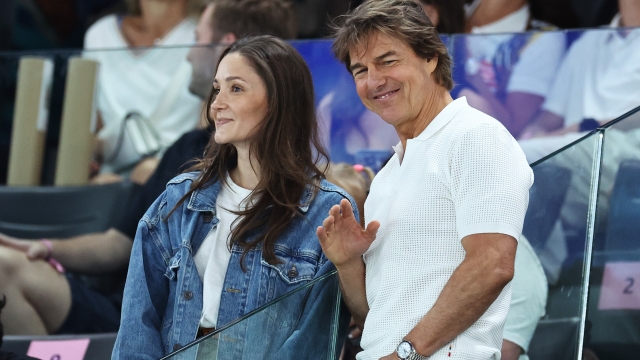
point(287, 146)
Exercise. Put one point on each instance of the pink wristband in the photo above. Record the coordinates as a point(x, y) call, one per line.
point(49, 258)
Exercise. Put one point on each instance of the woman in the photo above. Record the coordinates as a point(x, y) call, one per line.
point(257, 192)
point(142, 81)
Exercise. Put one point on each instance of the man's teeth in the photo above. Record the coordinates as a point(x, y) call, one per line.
point(386, 95)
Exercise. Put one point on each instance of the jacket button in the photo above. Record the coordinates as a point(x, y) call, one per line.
point(208, 217)
point(293, 272)
point(176, 347)
point(188, 295)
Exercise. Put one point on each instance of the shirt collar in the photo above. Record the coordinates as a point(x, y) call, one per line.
point(442, 119)
point(517, 21)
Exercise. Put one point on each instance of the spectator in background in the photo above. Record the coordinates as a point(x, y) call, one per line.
point(446, 15)
point(141, 83)
point(507, 75)
point(53, 303)
point(3, 354)
point(598, 81)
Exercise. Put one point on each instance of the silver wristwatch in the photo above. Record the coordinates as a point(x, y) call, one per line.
point(406, 351)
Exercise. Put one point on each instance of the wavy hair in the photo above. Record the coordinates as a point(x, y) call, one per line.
point(287, 147)
point(401, 19)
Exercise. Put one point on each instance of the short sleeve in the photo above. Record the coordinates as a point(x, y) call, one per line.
point(535, 71)
point(490, 181)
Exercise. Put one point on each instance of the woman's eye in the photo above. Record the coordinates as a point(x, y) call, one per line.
point(216, 91)
point(235, 88)
point(389, 62)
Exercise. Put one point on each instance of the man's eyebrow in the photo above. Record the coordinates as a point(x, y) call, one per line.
point(379, 58)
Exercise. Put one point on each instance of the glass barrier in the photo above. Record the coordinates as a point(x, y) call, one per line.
point(535, 83)
point(614, 296)
point(557, 227)
point(307, 323)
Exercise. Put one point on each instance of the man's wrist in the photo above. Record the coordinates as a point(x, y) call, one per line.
point(356, 264)
point(407, 351)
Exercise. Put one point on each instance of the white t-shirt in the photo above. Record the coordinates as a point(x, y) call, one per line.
point(528, 299)
point(464, 174)
point(212, 257)
point(139, 81)
point(599, 78)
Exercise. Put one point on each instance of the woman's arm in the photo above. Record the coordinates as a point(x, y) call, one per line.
point(145, 298)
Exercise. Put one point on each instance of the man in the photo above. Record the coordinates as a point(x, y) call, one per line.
point(43, 301)
point(429, 276)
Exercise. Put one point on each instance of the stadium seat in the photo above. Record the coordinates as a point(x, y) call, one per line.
point(546, 198)
point(61, 212)
point(555, 339)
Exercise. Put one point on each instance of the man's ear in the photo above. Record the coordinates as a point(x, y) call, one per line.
point(432, 64)
point(228, 39)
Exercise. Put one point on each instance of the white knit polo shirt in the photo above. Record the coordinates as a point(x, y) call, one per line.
point(463, 175)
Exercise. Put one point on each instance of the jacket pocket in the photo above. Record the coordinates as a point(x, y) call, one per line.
point(295, 267)
point(172, 267)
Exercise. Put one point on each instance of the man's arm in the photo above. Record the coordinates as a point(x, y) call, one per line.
point(96, 253)
point(545, 123)
point(473, 287)
point(510, 351)
point(344, 242)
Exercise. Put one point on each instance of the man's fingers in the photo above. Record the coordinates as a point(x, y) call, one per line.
point(321, 234)
point(347, 210)
point(327, 224)
point(335, 211)
point(371, 230)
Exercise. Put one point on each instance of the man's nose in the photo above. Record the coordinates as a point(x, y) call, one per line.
point(375, 79)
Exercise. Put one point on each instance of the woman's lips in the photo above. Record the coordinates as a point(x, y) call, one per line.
point(222, 121)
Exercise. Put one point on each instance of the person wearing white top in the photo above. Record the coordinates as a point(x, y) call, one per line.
point(429, 276)
point(598, 81)
point(140, 74)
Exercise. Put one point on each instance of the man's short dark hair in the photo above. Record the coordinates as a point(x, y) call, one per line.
point(401, 19)
point(254, 17)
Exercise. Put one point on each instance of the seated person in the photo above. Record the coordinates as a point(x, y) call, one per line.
point(50, 302)
point(139, 75)
point(242, 211)
point(446, 15)
point(598, 81)
point(507, 74)
point(5, 355)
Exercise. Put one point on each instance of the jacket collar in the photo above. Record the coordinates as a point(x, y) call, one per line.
point(204, 199)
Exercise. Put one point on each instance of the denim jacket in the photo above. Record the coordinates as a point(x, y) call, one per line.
point(162, 302)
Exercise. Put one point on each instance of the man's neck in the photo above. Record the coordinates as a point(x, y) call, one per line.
point(629, 13)
point(435, 103)
point(247, 173)
point(489, 11)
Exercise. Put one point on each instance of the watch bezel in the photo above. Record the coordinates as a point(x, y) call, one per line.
point(401, 345)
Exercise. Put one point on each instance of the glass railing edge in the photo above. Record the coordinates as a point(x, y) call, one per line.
point(251, 313)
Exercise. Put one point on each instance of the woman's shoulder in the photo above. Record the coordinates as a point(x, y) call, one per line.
point(329, 189)
point(329, 194)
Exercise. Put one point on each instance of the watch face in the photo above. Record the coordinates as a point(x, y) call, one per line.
point(404, 349)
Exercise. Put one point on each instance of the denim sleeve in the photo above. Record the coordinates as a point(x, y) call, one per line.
point(145, 298)
point(312, 338)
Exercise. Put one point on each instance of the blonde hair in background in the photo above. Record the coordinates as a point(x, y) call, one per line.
point(354, 179)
